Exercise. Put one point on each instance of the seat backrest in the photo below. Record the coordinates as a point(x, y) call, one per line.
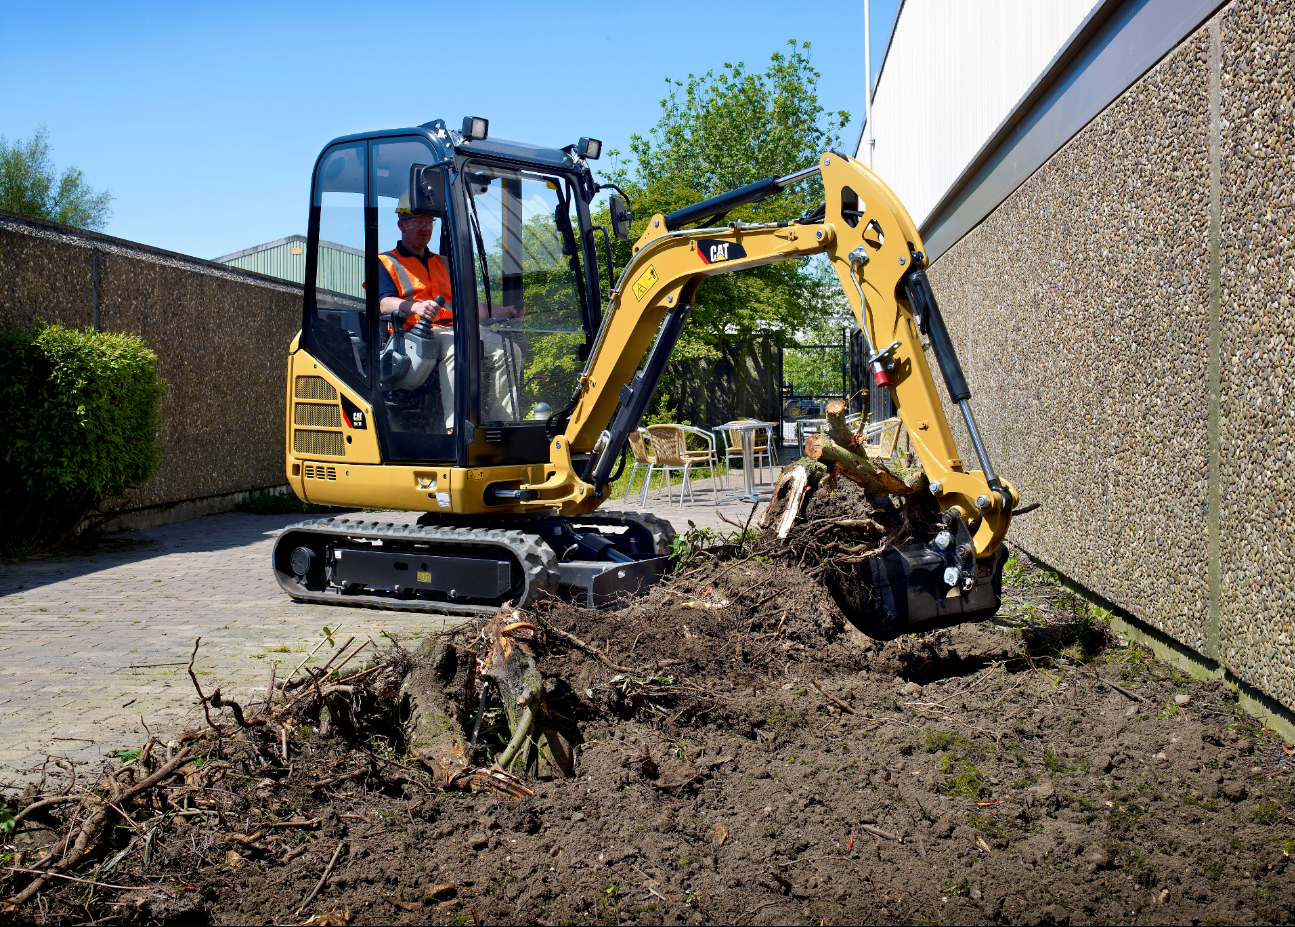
point(887, 439)
point(638, 447)
point(701, 433)
point(668, 442)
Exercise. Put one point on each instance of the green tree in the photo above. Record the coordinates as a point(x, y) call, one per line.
point(720, 131)
point(30, 186)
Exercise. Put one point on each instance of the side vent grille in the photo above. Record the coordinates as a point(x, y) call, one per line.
point(320, 472)
point(315, 388)
point(317, 416)
point(318, 443)
point(495, 435)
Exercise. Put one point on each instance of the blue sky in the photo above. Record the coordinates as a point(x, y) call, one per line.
point(204, 121)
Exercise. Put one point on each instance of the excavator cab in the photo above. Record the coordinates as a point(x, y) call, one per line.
point(451, 418)
point(510, 225)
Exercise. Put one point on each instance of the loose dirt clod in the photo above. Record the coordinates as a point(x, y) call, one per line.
point(723, 749)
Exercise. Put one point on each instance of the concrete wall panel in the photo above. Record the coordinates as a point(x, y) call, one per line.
point(1080, 306)
point(1257, 417)
point(221, 337)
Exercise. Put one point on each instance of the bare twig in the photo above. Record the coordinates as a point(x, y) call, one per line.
point(322, 879)
point(43, 803)
point(883, 834)
point(587, 648)
point(832, 698)
point(202, 698)
point(1118, 688)
point(287, 683)
point(59, 875)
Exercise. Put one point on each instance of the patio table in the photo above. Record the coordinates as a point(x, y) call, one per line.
point(747, 430)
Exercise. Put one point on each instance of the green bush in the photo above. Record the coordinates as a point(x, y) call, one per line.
point(82, 409)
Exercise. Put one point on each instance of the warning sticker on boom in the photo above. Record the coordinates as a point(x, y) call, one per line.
point(645, 282)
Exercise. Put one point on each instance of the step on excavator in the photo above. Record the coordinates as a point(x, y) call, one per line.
point(503, 417)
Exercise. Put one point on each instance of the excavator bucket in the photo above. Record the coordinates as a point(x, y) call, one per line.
point(921, 586)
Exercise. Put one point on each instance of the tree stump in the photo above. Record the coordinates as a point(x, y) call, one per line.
point(789, 496)
point(511, 666)
point(441, 692)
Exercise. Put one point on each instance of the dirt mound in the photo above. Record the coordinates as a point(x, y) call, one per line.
point(739, 755)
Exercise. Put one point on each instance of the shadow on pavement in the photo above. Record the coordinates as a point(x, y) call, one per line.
point(211, 534)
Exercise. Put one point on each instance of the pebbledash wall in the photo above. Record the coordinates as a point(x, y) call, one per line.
point(221, 337)
point(1124, 314)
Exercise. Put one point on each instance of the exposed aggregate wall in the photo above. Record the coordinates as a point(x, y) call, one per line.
point(1082, 308)
point(221, 338)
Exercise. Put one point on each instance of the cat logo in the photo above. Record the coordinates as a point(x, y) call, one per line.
point(714, 251)
point(354, 415)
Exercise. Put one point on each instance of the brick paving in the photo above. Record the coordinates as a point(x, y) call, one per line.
point(94, 646)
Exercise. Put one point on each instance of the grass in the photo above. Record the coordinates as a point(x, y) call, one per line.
point(965, 778)
point(281, 503)
point(786, 716)
point(988, 825)
point(937, 741)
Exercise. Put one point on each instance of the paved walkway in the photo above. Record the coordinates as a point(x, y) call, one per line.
point(92, 647)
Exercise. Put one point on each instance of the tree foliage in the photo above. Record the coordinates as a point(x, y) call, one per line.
point(30, 186)
point(720, 131)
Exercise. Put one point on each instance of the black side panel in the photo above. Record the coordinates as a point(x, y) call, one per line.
point(460, 577)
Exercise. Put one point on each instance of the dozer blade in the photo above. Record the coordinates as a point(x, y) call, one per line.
point(921, 587)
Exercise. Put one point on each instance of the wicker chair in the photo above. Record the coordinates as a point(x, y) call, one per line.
point(704, 457)
point(671, 448)
point(643, 460)
point(887, 435)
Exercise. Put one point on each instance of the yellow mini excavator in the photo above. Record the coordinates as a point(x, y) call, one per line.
point(504, 426)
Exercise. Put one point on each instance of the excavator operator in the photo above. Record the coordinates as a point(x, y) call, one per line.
point(410, 280)
point(411, 276)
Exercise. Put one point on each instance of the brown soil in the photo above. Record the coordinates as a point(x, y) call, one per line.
point(979, 774)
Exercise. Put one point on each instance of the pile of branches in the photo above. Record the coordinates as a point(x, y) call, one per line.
point(110, 829)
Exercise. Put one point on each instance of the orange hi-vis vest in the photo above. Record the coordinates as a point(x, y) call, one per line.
point(417, 282)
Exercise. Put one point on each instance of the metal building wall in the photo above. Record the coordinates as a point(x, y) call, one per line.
point(341, 269)
point(953, 72)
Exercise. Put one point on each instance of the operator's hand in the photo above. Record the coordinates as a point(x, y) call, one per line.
point(425, 309)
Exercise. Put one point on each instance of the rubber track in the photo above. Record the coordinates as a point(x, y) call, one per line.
point(538, 561)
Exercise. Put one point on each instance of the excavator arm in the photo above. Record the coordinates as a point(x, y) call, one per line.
point(876, 252)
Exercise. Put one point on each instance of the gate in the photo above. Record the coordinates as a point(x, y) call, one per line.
point(810, 376)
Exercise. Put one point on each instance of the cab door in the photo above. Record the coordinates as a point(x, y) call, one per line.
point(531, 312)
point(417, 371)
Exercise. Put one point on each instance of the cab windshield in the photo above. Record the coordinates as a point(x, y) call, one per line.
point(530, 290)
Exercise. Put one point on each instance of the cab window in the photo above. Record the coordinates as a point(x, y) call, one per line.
point(529, 292)
point(416, 360)
point(337, 305)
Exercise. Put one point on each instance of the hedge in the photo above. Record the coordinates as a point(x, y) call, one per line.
point(82, 413)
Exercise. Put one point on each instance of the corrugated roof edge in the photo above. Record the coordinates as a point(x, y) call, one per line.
point(86, 238)
point(1073, 48)
point(255, 248)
